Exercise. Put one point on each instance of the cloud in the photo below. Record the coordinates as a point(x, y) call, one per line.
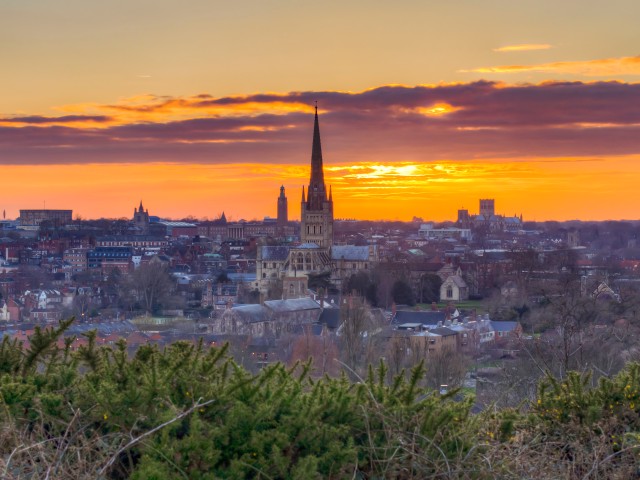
point(62, 120)
point(523, 47)
point(606, 67)
point(390, 123)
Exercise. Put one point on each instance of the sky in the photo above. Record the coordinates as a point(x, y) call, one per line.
point(196, 107)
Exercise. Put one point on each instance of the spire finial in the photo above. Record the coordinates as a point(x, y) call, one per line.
point(316, 107)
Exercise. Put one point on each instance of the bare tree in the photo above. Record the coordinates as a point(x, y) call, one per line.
point(354, 329)
point(152, 284)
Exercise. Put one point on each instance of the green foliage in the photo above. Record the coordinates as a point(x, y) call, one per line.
point(187, 411)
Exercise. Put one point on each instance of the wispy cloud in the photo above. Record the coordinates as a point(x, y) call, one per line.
point(606, 67)
point(523, 47)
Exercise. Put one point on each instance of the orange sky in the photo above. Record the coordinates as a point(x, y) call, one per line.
point(366, 191)
point(425, 107)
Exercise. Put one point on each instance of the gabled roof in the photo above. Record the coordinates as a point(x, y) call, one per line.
point(350, 252)
point(457, 280)
point(253, 313)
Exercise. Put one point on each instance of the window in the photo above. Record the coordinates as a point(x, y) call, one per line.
point(449, 292)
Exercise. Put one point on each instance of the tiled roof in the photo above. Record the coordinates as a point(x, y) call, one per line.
point(504, 326)
point(350, 252)
point(422, 317)
point(292, 305)
point(274, 253)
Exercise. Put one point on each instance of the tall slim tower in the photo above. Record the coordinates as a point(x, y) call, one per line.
point(316, 216)
point(283, 209)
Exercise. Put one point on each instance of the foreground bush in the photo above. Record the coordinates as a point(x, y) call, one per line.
point(191, 412)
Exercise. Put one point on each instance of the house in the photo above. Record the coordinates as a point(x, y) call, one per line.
point(45, 315)
point(505, 329)
point(454, 288)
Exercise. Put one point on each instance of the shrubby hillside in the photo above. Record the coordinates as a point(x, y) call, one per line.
point(190, 412)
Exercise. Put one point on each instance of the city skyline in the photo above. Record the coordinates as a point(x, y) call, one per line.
point(425, 108)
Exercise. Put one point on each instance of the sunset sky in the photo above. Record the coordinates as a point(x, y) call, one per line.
point(199, 106)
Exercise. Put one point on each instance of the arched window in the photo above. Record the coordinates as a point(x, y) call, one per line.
point(449, 292)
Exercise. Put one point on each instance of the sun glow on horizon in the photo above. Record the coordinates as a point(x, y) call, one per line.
point(364, 190)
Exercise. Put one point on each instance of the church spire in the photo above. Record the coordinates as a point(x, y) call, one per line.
point(317, 175)
point(317, 191)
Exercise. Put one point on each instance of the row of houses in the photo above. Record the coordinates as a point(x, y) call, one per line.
point(437, 330)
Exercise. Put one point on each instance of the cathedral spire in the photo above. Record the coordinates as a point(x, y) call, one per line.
point(317, 191)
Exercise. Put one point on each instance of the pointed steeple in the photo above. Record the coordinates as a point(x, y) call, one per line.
point(303, 199)
point(317, 190)
point(317, 175)
point(141, 209)
point(330, 194)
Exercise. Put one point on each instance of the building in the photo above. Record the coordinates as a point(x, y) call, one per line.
point(76, 258)
point(106, 259)
point(141, 220)
point(316, 216)
point(283, 209)
point(427, 232)
point(57, 218)
point(316, 253)
point(454, 288)
point(487, 207)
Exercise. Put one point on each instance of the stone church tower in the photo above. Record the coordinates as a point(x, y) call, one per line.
point(316, 216)
point(141, 219)
point(283, 209)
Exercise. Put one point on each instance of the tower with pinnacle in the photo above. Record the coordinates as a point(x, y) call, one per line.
point(141, 219)
point(316, 215)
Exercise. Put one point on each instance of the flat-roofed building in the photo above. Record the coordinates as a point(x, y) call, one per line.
point(36, 217)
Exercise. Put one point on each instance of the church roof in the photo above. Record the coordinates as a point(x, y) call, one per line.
point(292, 305)
point(275, 253)
point(253, 313)
point(350, 252)
point(308, 246)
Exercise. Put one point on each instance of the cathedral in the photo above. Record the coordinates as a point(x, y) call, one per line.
point(316, 253)
point(316, 212)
